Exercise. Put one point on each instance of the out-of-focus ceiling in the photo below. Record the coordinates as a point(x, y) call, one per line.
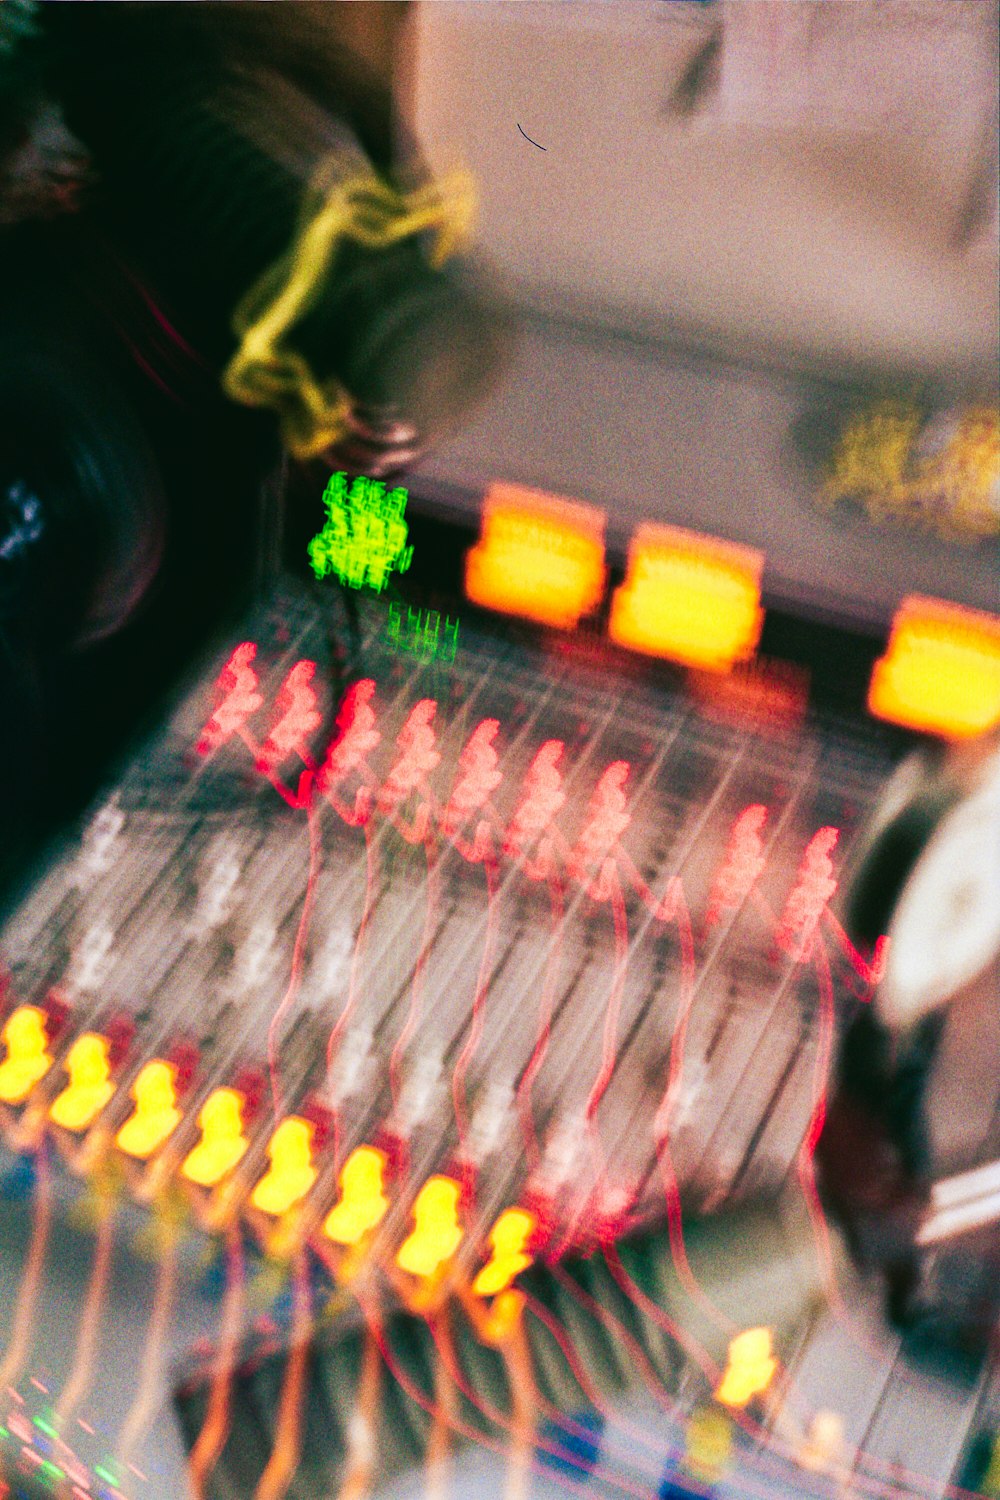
point(810, 183)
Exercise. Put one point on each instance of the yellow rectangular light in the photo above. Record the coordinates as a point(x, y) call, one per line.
point(941, 670)
point(538, 556)
point(689, 598)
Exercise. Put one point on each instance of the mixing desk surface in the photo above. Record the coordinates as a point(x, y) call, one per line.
point(454, 970)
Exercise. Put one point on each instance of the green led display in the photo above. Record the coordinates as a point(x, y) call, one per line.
point(364, 537)
point(423, 633)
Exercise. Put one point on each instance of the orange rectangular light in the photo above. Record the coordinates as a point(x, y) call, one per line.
point(689, 598)
point(941, 670)
point(538, 556)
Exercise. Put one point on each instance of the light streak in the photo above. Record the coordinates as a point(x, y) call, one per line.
point(211, 1439)
point(281, 1465)
point(31, 1278)
point(78, 1382)
point(537, 1058)
point(418, 982)
point(144, 1406)
point(350, 1005)
point(492, 870)
point(298, 956)
point(362, 1432)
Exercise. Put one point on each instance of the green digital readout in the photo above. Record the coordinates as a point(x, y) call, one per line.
point(422, 633)
point(364, 538)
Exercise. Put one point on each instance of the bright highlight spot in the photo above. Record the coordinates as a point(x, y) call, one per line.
point(437, 1233)
point(27, 1058)
point(362, 1202)
point(941, 671)
point(508, 1239)
point(89, 1087)
point(292, 1173)
point(749, 1368)
point(538, 556)
point(222, 1145)
point(689, 598)
point(156, 1113)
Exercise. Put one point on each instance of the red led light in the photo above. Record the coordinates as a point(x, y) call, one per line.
point(742, 864)
point(238, 699)
point(477, 777)
point(542, 800)
point(297, 716)
point(418, 756)
point(358, 735)
point(813, 888)
point(607, 819)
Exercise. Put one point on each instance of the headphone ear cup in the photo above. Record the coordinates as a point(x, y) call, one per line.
point(82, 508)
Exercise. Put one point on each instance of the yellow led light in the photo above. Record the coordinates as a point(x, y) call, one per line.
point(689, 598)
point(749, 1368)
point(508, 1238)
point(538, 556)
point(223, 1144)
point(291, 1173)
point(437, 1233)
point(362, 1202)
point(27, 1060)
point(89, 1087)
point(941, 670)
point(156, 1114)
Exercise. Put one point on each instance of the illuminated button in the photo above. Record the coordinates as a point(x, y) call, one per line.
point(89, 1087)
point(689, 598)
point(362, 1202)
point(292, 1173)
point(27, 1058)
point(437, 1233)
point(508, 1238)
point(941, 671)
point(538, 556)
point(749, 1368)
point(156, 1114)
point(222, 1145)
